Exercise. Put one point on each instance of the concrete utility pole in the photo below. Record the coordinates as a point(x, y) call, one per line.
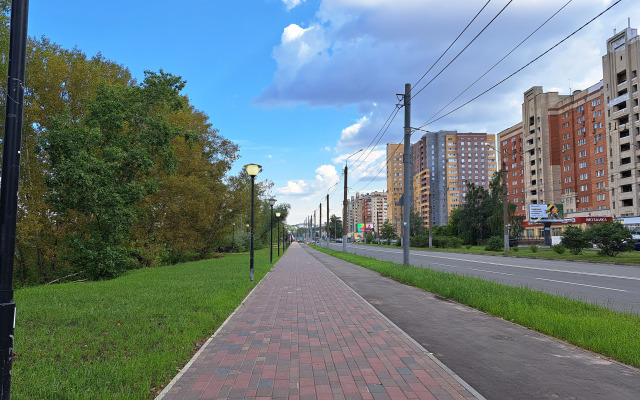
point(320, 225)
point(314, 221)
point(408, 184)
point(505, 210)
point(344, 211)
point(328, 221)
point(9, 190)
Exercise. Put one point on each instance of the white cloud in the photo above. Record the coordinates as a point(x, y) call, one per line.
point(292, 3)
point(362, 52)
point(293, 188)
point(326, 177)
point(350, 133)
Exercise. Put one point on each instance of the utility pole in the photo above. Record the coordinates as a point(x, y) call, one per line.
point(328, 222)
point(313, 227)
point(320, 225)
point(344, 212)
point(505, 210)
point(408, 185)
point(9, 185)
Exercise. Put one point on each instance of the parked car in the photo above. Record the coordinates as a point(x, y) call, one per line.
point(513, 241)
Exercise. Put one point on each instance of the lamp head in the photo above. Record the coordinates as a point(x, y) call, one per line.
point(278, 214)
point(253, 169)
point(272, 201)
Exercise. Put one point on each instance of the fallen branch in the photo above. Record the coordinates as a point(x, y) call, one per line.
point(64, 277)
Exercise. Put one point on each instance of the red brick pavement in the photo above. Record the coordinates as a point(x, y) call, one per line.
point(303, 334)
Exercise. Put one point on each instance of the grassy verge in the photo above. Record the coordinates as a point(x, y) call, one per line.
point(592, 327)
point(628, 257)
point(125, 338)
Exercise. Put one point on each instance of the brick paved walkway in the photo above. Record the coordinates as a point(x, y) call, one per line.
point(303, 334)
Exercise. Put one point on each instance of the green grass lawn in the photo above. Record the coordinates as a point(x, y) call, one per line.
point(598, 329)
point(628, 257)
point(128, 337)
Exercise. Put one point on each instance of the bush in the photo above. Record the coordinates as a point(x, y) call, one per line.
point(574, 239)
point(468, 246)
point(610, 237)
point(558, 248)
point(515, 248)
point(533, 248)
point(495, 243)
point(420, 241)
point(369, 238)
point(454, 242)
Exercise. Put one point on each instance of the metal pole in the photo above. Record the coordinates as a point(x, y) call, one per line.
point(251, 252)
point(271, 240)
point(278, 228)
point(407, 195)
point(9, 189)
point(233, 238)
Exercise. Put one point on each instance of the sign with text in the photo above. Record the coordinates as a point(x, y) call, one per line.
point(546, 211)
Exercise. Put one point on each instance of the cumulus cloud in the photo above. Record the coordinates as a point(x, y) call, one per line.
point(362, 52)
point(292, 3)
point(350, 133)
point(326, 177)
point(293, 188)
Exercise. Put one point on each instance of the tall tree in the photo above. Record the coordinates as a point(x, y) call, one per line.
point(101, 166)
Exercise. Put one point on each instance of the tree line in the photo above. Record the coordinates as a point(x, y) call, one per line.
point(118, 174)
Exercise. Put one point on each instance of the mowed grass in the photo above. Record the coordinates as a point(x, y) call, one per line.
point(627, 257)
point(610, 333)
point(125, 338)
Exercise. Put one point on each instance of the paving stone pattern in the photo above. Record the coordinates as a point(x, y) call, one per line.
point(303, 334)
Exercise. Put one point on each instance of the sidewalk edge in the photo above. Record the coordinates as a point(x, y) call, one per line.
point(428, 353)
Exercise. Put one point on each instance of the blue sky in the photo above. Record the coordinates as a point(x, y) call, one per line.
point(300, 85)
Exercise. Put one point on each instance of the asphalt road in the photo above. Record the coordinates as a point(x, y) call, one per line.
point(609, 285)
point(499, 359)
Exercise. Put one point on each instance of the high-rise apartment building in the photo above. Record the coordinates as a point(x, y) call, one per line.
point(512, 162)
point(395, 188)
point(557, 155)
point(452, 159)
point(620, 80)
point(366, 210)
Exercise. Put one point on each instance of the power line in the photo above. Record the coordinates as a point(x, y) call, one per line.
point(452, 43)
point(525, 66)
point(501, 60)
point(463, 50)
point(388, 125)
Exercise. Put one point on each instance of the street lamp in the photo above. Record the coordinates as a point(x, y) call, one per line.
point(233, 237)
point(252, 171)
point(272, 202)
point(278, 223)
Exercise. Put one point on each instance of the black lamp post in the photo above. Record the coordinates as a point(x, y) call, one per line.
point(252, 171)
point(272, 202)
point(278, 223)
point(233, 237)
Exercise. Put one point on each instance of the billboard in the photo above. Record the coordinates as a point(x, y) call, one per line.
point(364, 227)
point(546, 212)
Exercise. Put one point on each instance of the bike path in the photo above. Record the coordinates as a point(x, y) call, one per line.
point(302, 333)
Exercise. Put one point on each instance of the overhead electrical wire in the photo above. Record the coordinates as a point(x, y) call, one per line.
point(501, 60)
point(396, 109)
point(452, 43)
point(523, 67)
point(463, 50)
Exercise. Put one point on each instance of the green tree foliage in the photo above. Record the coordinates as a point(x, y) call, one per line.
point(575, 239)
point(101, 167)
point(387, 231)
point(610, 237)
point(335, 226)
point(482, 215)
point(416, 224)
